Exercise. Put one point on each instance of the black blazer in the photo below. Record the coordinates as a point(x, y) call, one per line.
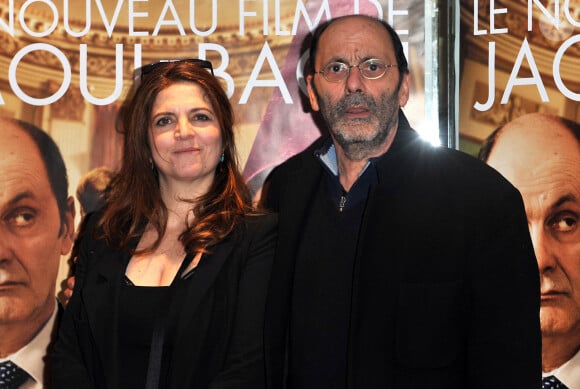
point(446, 286)
point(218, 337)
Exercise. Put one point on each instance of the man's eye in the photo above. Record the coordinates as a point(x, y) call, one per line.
point(21, 218)
point(336, 68)
point(564, 223)
point(374, 67)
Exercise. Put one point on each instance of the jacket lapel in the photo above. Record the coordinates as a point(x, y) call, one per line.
point(302, 183)
point(205, 273)
point(185, 308)
point(101, 297)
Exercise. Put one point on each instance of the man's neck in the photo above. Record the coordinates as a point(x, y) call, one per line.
point(557, 350)
point(349, 169)
point(14, 336)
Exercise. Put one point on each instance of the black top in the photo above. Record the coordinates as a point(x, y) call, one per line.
point(140, 307)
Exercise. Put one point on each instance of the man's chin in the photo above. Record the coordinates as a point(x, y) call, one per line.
point(20, 308)
point(557, 320)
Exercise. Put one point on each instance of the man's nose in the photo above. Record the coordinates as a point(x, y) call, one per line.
point(5, 248)
point(354, 80)
point(543, 248)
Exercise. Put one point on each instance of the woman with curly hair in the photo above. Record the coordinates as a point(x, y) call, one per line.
point(173, 271)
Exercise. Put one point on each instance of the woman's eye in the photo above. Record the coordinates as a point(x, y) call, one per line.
point(201, 117)
point(163, 121)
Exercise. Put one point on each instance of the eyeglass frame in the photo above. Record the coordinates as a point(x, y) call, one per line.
point(146, 69)
point(348, 67)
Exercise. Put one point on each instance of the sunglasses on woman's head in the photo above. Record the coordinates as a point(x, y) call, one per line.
point(146, 69)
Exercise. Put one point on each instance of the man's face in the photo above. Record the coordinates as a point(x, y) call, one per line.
point(30, 244)
point(542, 159)
point(360, 113)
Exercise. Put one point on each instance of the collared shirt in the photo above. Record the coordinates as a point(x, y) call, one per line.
point(359, 191)
point(30, 358)
point(568, 373)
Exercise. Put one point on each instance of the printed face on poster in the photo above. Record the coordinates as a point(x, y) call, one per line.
point(520, 113)
point(66, 67)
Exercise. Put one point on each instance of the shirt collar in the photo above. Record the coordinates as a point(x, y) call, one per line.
point(327, 155)
point(568, 373)
point(31, 357)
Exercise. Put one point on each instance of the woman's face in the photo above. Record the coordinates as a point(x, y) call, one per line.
point(185, 137)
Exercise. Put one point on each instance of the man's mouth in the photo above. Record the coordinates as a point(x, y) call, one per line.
point(9, 284)
point(357, 111)
point(552, 295)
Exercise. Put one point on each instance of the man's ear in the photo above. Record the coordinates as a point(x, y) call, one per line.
point(312, 92)
point(68, 230)
point(404, 90)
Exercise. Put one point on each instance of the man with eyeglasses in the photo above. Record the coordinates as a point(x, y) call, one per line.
point(399, 264)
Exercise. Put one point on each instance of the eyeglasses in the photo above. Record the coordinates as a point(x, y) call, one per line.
point(146, 69)
point(371, 69)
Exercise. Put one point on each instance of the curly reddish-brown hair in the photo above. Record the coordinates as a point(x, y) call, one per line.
point(134, 196)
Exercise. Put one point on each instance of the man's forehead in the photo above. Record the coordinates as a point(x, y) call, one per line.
point(22, 169)
point(13, 133)
point(363, 35)
point(18, 147)
point(356, 22)
point(542, 161)
point(538, 136)
point(21, 182)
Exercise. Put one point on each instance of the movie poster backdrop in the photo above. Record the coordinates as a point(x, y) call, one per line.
point(517, 57)
point(522, 57)
point(66, 66)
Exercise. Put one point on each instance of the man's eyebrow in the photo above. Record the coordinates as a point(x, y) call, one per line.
point(15, 200)
point(21, 196)
point(567, 198)
point(344, 60)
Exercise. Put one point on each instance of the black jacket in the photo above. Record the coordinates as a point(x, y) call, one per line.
point(446, 290)
point(218, 339)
